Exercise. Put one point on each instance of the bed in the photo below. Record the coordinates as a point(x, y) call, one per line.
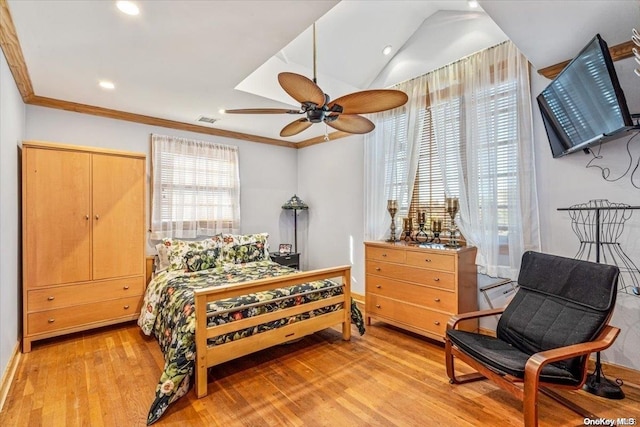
point(222, 298)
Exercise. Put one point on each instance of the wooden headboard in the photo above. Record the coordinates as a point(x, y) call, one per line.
point(148, 270)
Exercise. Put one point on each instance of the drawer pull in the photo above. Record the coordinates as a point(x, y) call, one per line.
point(126, 307)
point(377, 268)
point(384, 255)
point(51, 320)
point(287, 257)
point(51, 298)
point(437, 279)
point(378, 286)
point(436, 323)
point(427, 260)
point(377, 305)
point(436, 299)
point(125, 287)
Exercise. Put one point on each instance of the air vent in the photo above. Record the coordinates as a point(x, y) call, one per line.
point(206, 119)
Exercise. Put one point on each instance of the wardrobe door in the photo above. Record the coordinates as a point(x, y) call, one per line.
point(56, 215)
point(118, 216)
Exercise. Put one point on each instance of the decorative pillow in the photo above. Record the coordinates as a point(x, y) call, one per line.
point(177, 249)
point(240, 254)
point(197, 261)
point(241, 248)
point(162, 259)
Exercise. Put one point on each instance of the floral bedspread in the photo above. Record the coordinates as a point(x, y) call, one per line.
point(169, 313)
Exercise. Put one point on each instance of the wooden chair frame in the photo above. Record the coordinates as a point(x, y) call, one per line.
point(208, 356)
point(527, 390)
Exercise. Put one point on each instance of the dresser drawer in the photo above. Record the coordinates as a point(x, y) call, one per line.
point(423, 276)
point(386, 254)
point(438, 299)
point(431, 260)
point(415, 316)
point(66, 296)
point(62, 318)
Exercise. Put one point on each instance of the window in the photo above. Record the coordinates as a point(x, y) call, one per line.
point(465, 133)
point(196, 188)
point(495, 161)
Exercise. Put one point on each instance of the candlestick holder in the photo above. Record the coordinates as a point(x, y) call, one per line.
point(436, 229)
point(392, 207)
point(421, 235)
point(453, 206)
point(407, 229)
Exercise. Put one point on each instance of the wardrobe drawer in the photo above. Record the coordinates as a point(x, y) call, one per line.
point(418, 317)
point(66, 296)
point(386, 254)
point(431, 260)
point(62, 318)
point(438, 299)
point(423, 276)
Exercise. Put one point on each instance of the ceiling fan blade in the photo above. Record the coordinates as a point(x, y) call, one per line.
point(301, 88)
point(370, 101)
point(295, 127)
point(352, 123)
point(262, 111)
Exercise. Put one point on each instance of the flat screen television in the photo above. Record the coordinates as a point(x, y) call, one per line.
point(585, 105)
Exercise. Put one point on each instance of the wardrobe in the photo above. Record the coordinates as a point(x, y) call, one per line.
point(83, 237)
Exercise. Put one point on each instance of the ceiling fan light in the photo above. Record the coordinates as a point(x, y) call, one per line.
point(128, 7)
point(386, 50)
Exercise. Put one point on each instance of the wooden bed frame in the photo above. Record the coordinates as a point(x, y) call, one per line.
point(210, 356)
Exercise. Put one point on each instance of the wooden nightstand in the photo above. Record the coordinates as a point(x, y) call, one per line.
point(289, 260)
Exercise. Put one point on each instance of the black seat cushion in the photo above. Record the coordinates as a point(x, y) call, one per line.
point(560, 302)
point(504, 358)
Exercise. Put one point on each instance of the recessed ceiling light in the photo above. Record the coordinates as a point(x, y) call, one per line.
point(473, 4)
point(104, 84)
point(387, 49)
point(128, 7)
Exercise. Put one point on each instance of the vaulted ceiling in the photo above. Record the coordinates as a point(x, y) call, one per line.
point(179, 60)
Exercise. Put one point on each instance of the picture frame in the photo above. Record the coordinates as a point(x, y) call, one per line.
point(285, 248)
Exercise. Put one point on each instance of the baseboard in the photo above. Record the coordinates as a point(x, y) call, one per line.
point(9, 373)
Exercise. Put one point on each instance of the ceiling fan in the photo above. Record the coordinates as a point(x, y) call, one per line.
point(341, 114)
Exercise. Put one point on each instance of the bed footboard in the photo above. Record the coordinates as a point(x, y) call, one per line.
point(210, 356)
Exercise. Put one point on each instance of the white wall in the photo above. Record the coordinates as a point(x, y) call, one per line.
point(331, 182)
point(268, 174)
point(12, 127)
point(566, 181)
point(443, 38)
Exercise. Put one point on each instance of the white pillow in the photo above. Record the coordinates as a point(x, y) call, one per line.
point(163, 258)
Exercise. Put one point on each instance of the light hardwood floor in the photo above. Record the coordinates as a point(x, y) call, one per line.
point(107, 377)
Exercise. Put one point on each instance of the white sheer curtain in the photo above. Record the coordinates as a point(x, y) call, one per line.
point(481, 110)
point(391, 159)
point(195, 188)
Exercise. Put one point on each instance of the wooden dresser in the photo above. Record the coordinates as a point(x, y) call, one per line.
point(419, 289)
point(83, 231)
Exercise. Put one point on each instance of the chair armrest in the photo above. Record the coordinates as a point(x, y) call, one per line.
point(603, 341)
point(454, 320)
